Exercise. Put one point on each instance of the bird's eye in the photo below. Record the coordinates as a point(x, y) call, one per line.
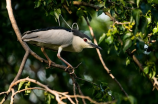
point(85, 40)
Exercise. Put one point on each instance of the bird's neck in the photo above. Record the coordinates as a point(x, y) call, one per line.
point(77, 44)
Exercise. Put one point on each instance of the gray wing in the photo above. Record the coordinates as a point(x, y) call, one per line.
point(53, 36)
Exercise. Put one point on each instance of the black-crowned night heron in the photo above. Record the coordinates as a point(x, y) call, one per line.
point(59, 39)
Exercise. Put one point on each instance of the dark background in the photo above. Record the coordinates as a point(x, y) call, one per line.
point(30, 18)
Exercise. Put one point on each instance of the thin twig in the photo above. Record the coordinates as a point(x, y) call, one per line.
point(42, 85)
point(28, 89)
point(21, 66)
point(59, 96)
point(78, 86)
point(12, 97)
point(74, 90)
point(88, 98)
point(101, 59)
point(86, 4)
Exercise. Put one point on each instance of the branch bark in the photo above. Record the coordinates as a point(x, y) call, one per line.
point(102, 61)
point(59, 96)
point(21, 66)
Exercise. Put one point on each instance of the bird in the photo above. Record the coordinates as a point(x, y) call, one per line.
point(59, 39)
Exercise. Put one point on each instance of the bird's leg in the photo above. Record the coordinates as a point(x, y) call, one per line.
point(49, 60)
point(68, 64)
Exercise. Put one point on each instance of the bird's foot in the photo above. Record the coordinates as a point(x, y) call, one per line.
point(49, 63)
point(72, 68)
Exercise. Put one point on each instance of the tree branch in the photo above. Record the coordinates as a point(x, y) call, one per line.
point(21, 66)
point(78, 3)
point(102, 61)
point(59, 96)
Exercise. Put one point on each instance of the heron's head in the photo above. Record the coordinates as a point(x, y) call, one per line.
point(83, 40)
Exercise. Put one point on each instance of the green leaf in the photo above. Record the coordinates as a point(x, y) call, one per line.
point(127, 35)
point(67, 2)
point(143, 25)
point(51, 13)
point(155, 1)
point(89, 16)
point(48, 101)
point(99, 12)
point(149, 19)
point(48, 1)
point(98, 95)
point(152, 71)
point(146, 69)
point(145, 7)
point(154, 13)
point(20, 85)
point(57, 13)
point(27, 92)
point(138, 1)
point(102, 37)
point(27, 85)
point(109, 40)
point(37, 3)
point(127, 44)
point(155, 30)
point(62, 1)
point(123, 2)
point(109, 49)
point(132, 100)
point(114, 30)
point(127, 61)
point(116, 48)
point(80, 12)
point(136, 15)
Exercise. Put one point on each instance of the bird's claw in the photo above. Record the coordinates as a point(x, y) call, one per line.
point(49, 63)
point(71, 68)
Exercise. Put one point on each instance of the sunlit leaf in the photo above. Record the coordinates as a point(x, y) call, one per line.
point(137, 1)
point(37, 3)
point(114, 30)
point(109, 40)
point(102, 37)
point(127, 35)
point(155, 30)
point(27, 85)
point(132, 100)
point(127, 61)
point(146, 69)
point(20, 85)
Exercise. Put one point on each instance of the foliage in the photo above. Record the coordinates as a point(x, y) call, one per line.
point(135, 24)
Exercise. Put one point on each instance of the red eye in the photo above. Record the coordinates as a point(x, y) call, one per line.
point(85, 40)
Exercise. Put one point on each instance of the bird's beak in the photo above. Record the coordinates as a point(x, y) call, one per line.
point(95, 46)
